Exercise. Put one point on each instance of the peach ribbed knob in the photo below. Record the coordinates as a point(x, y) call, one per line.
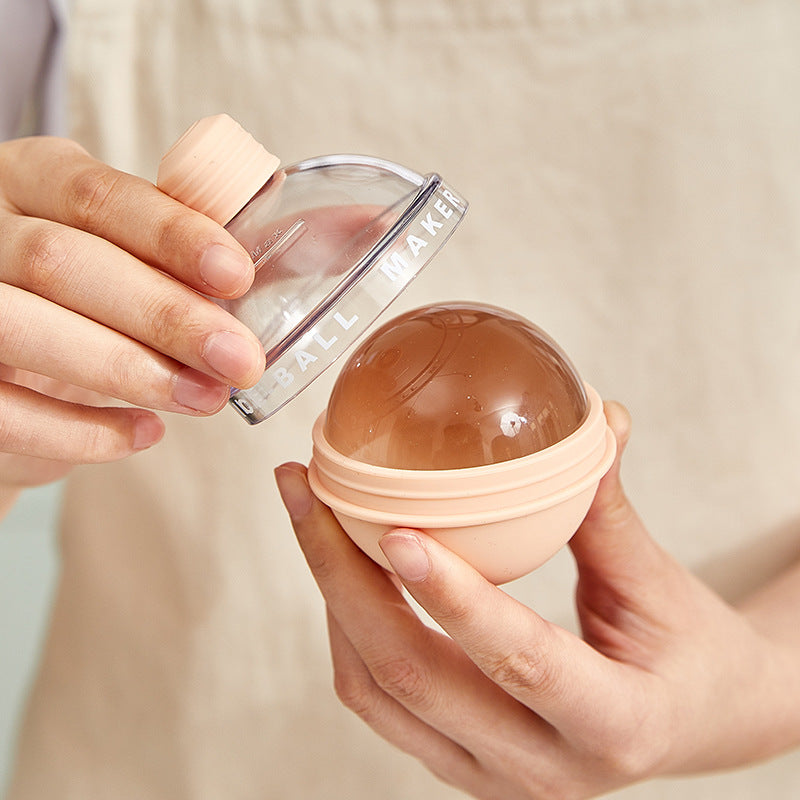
point(215, 168)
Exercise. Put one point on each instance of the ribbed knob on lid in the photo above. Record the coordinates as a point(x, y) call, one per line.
point(215, 168)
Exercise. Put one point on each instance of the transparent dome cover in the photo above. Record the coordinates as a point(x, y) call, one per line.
point(454, 386)
point(334, 239)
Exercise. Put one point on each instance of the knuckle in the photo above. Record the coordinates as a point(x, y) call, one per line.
point(528, 670)
point(100, 435)
point(22, 150)
point(89, 194)
point(176, 237)
point(634, 748)
point(618, 509)
point(355, 691)
point(125, 374)
point(404, 678)
point(169, 319)
point(628, 758)
point(99, 445)
point(321, 561)
point(455, 611)
point(46, 256)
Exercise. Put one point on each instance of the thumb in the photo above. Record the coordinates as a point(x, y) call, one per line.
point(548, 669)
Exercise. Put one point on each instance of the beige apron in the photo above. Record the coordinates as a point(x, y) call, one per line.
point(634, 176)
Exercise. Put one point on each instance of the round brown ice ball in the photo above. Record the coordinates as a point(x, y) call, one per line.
point(451, 386)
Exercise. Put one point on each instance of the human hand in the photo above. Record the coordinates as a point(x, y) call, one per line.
point(666, 679)
point(99, 281)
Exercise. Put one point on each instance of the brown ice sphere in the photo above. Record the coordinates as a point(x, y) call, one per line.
point(454, 386)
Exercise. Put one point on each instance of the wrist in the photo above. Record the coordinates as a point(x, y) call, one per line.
point(776, 708)
point(771, 611)
point(745, 708)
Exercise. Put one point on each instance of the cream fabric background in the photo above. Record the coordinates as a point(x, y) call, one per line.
point(634, 180)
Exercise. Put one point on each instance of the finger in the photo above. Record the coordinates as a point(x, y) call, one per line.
point(23, 472)
point(611, 508)
point(551, 671)
point(42, 337)
point(102, 282)
point(52, 387)
point(58, 180)
point(419, 667)
point(357, 690)
point(42, 427)
point(612, 545)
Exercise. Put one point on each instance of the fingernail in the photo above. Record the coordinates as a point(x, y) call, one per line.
point(294, 491)
point(407, 555)
point(225, 270)
point(229, 354)
point(199, 392)
point(148, 429)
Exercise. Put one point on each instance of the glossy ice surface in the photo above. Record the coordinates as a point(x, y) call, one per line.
point(453, 386)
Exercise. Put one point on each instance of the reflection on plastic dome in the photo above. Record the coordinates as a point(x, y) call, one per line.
point(453, 386)
point(307, 229)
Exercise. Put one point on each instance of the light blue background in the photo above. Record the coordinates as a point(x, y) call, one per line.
point(28, 568)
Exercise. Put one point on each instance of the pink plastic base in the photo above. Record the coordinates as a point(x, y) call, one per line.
point(500, 551)
point(505, 519)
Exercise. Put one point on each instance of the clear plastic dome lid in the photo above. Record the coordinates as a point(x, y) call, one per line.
point(334, 240)
point(454, 386)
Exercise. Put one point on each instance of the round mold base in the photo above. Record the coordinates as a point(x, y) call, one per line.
point(501, 551)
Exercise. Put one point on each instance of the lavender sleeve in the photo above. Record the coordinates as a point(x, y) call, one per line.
point(31, 74)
